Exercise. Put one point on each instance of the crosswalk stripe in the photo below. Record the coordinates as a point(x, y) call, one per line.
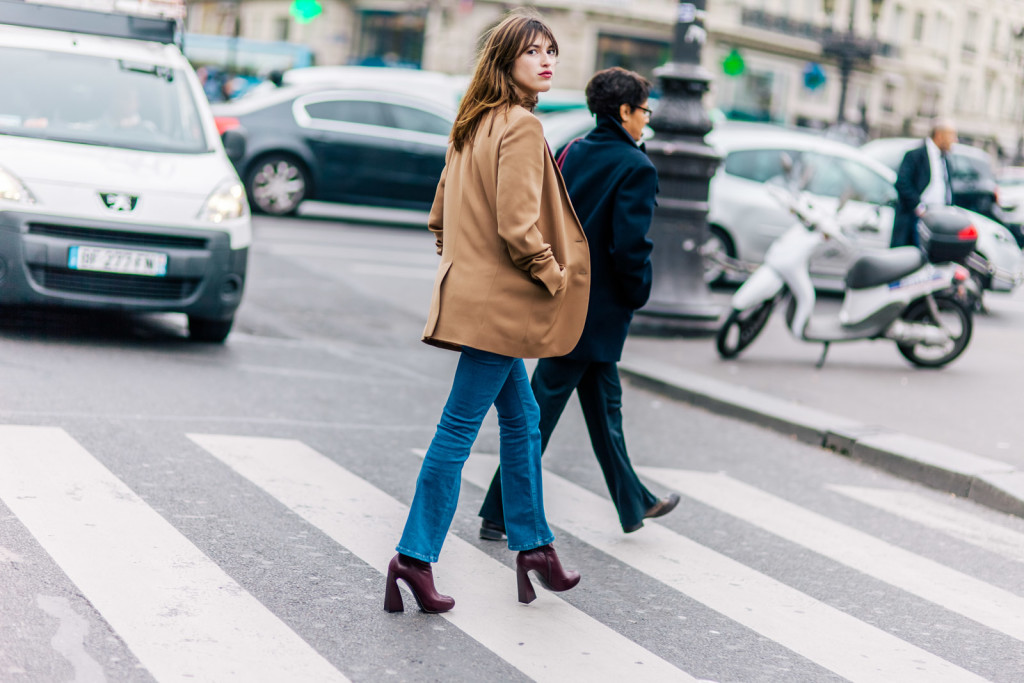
point(962, 525)
point(812, 629)
point(182, 616)
point(984, 603)
point(549, 640)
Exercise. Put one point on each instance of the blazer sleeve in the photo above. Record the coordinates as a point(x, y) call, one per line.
point(521, 158)
point(435, 222)
point(632, 213)
point(907, 190)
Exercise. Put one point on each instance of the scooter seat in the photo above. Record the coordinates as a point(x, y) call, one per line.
point(884, 267)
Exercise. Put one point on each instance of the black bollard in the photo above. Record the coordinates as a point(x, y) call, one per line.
point(680, 302)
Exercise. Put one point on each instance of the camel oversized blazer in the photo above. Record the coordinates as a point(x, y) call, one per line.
point(514, 277)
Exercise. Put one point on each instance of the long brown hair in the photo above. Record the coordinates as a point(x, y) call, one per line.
point(492, 85)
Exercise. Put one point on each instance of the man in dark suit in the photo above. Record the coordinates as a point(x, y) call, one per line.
point(612, 185)
point(922, 181)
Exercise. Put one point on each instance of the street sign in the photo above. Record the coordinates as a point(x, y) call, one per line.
point(305, 11)
point(814, 76)
point(733, 64)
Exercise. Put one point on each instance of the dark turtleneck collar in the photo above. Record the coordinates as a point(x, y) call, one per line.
point(608, 128)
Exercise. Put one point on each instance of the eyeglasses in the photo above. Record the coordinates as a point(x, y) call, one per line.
point(646, 111)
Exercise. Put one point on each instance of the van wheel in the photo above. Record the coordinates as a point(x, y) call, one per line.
point(212, 331)
point(277, 184)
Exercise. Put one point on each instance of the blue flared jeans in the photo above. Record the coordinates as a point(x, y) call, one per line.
point(482, 379)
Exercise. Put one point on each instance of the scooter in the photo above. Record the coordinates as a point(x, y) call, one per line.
point(896, 294)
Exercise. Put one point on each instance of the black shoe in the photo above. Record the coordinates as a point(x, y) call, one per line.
point(662, 507)
point(489, 531)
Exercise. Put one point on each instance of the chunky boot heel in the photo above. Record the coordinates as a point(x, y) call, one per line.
point(393, 596)
point(420, 580)
point(526, 592)
point(550, 573)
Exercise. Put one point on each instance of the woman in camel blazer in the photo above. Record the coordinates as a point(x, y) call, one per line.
point(513, 282)
point(504, 225)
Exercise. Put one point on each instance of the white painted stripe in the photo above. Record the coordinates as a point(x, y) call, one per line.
point(831, 638)
point(549, 640)
point(984, 603)
point(945, 518)
point(182, 616)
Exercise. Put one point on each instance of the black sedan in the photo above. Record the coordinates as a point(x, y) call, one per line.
point(368, 147)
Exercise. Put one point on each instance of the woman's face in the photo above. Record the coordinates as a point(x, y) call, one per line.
point(532, 70)
point(635, 118)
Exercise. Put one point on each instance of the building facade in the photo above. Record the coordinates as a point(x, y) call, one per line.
point(958, 58)
point(770, 59)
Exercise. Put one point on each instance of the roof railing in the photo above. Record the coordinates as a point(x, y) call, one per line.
point(149, 20)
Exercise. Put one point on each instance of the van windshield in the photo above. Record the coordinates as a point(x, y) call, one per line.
point(98, 101)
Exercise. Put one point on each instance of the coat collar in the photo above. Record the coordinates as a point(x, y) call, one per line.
point(610, 129)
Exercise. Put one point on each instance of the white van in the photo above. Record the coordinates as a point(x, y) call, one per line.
point(115, 189)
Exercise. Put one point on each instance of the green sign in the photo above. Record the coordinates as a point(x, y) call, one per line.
point(305, 11)
point(733, 64)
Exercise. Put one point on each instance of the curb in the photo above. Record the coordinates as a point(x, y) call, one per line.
point(989, 482)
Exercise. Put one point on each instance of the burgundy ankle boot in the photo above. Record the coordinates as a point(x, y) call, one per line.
point(552, 576)
point(420, 580)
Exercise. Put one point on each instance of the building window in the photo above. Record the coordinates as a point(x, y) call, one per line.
point(928, 101)
point(391, 39)
point(889, 98)
point(918, 27)
point(752, 97)
point(636, 54)
point(896, 24)
point(942, 31)
point(963, 91)
point(282, 25)
point(970, 44)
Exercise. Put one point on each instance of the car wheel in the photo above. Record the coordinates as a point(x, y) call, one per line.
point(717, 248)
point(212, 331)
point(277, 184)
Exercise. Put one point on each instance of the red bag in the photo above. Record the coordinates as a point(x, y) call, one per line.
point(565, 152)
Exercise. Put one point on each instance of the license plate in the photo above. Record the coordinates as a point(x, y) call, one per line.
point(124, 261)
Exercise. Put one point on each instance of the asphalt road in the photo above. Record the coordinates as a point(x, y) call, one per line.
point(171, 510)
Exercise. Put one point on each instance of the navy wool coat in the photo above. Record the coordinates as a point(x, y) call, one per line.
point(913, 177)
point(612, 185)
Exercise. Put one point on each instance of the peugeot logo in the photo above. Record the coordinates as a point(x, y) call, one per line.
point(117, 201)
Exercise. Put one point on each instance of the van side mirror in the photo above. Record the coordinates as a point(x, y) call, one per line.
point(234, 144)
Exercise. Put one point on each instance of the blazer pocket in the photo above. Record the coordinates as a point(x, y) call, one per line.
point(435, 305)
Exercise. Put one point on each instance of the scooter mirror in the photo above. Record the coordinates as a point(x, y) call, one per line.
point(787, 162)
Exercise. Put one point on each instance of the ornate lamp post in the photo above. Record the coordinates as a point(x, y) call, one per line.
point(848, 49)
point(680, 301)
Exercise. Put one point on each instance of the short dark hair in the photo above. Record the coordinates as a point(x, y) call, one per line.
point(610, 88)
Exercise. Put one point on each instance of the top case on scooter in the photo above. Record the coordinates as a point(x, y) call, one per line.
point(884, 267)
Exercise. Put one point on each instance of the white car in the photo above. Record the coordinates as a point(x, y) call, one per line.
point(1011, 200)
point(115, 189)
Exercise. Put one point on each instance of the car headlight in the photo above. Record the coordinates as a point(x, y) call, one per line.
point(13, 190)
point(227, 202)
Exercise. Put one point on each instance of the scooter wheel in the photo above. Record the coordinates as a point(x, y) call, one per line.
point(955, 317)
point(741, 329)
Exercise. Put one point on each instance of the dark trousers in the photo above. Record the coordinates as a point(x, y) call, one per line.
point(600, 394)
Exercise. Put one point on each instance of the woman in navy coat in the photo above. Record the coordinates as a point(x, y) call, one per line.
point(612, 185)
